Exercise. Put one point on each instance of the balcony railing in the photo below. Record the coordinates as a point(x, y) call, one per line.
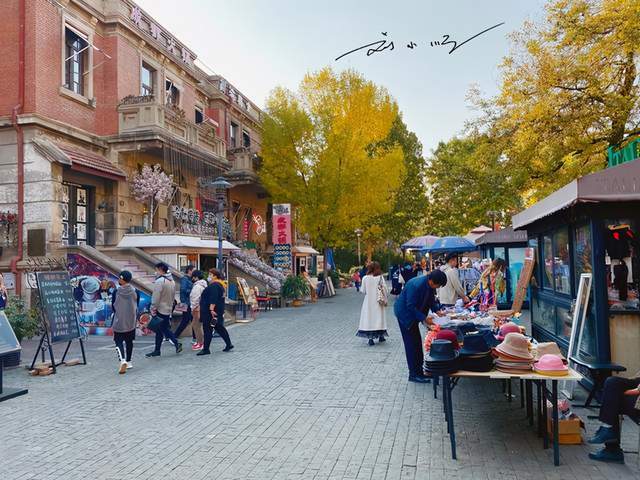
point(142, 113)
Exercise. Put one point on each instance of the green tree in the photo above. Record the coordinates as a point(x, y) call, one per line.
point(569, 91)
point(320, 153)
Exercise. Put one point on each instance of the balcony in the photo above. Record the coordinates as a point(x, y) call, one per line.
point(142, 115)
point(244, 165)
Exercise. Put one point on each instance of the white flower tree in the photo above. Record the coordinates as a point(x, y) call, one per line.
point(154, 186)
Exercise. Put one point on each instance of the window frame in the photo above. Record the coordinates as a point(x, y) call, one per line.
point(178, 90)
point(233, 134)
point(153, 74)
point(551, 235)
point(198, 109)
point(248, 136)
point(86, 33)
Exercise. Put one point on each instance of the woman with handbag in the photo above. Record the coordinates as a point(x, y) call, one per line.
point(373, 320)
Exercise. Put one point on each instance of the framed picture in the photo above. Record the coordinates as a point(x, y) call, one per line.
point(65, 230)
point(81, 196)
point(81, 214)
point(65, 211)
point(65, 193)
point(81, 232)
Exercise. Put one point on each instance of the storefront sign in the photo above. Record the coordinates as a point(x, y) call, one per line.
point(281, 223)
point(58, 305)
point(153, 30)
point(260, 225)
point(245, 229)
point(282, 256)
point(628, 153)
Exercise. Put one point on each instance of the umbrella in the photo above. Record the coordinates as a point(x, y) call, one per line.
point(451, 245)
point(421, 243)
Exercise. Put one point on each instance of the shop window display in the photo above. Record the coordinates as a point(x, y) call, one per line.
point(622, 263)
point(561, 272)
point(544, 314)
point(547, 279)
point(516, 263)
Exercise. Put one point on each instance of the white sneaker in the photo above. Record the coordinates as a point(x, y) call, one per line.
point(129, 365)
point(123, 367)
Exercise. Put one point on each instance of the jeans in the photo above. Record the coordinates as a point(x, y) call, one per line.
point(413, 348)
point(220, 330)
point(184, 322)
point(615, 402)
point(164, 331)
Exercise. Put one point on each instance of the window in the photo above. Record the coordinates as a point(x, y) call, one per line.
point(623, 263)
point(246, 139)
point(582, 251)
point(199, 116)
point(562, 274)
point(147, 80)
point(172, 94)
point(76, 54)
point(547, 252)
point(233, 135)
point(516, 263)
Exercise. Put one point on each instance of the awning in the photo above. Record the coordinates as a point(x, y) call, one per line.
point(79, 159)
point(305, 250)
point(617, 184)
point(506, 235)
point(162, 240)
point(418, 243)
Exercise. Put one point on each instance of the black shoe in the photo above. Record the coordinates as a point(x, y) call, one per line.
point(178, 347)
point(603, 435)
point(382, 339)
point(203, 352)
point(371, 342)
point(418, 379)
point(228, 348)
point(608, 455)
point(152, 354)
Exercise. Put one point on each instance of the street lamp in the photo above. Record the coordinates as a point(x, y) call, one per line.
point(221, 186)
point(358, 232)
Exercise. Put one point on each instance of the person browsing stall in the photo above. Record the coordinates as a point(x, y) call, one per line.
point(412, 308)
point(453, 290)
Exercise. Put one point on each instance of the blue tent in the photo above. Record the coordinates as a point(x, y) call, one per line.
point(451, 245)
point(419, 243)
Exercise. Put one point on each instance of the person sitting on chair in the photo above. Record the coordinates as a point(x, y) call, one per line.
point(621, 396)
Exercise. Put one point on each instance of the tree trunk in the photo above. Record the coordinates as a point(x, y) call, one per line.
point(369, 252)
point(619, 121)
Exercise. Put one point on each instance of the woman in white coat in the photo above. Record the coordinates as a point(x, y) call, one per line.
point(373, 320)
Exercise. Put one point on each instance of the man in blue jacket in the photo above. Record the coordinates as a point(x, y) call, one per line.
point(186, 284)
point(412, 307)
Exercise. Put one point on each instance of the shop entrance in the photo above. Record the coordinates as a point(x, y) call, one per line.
point(78, 216)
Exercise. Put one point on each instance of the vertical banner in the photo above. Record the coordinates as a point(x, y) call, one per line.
point(282, 236)
point(245, 230)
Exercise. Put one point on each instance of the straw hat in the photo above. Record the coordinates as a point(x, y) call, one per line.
point(515, 345)
point(508, 327)
point(550, 365)
point(548, 348)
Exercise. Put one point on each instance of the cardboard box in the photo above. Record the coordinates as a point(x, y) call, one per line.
point(569, 431)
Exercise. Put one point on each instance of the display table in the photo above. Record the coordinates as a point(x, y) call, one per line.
point(449, 382)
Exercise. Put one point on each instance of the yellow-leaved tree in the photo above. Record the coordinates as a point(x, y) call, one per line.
point(321, 153)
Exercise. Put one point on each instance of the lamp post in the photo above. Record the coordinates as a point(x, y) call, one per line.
point(358, 232)
point(221, 186)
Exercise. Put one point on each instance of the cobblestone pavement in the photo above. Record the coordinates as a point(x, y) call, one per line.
point(299, 398)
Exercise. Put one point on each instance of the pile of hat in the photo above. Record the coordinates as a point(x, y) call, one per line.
point(475, 355)
point(443, 358)
point(549, 360)
point(513, 354)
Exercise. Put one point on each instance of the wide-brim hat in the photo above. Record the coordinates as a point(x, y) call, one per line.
point(548, 348)
point(516, 345)
point(475, 343)
point(449, 335)
point(550, 363)
point(478, 364)
point(442, 351)
point(507, 328)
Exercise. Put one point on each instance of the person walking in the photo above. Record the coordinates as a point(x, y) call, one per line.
point(162, 301)
point(212, 312)
point(199, 284)
point(453, 290)
point(373, 320)
point(357, 281)
point(412, 307)
point(124, 301)
point(186, 284)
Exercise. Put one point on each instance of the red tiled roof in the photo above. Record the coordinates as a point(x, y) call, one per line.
point(86, 160)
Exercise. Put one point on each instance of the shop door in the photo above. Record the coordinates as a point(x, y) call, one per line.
point(77, 215)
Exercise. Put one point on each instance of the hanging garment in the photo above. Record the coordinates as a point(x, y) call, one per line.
point(620, 273)
point(617, 243)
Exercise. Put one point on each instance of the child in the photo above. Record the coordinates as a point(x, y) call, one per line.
point(124, 303)
point(356, 280)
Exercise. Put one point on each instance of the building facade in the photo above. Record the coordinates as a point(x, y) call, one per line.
point(96, 90)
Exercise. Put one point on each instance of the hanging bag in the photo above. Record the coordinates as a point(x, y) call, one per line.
point(382, 293)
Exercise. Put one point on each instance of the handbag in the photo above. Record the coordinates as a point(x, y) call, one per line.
point(154, 324)
point(381, 294)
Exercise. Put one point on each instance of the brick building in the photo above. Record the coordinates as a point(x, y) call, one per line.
point(90, 92)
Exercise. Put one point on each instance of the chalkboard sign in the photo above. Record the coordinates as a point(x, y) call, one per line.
point(58, 306)
point(8, 341)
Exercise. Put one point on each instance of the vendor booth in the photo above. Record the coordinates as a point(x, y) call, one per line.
point(178, 251)
point(305, 256)
point(509, 245)
point(589, 226)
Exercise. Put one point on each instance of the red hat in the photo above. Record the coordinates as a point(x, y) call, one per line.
point(449, 335)
point(508, 327)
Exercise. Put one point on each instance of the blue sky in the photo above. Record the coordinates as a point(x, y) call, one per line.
point(260, 44)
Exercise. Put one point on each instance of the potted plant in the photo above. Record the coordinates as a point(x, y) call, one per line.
point(24, 323)
point(295, 288)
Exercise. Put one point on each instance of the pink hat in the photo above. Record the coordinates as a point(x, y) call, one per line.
point(515, 345)
point(508, 327)
point(550, 364)
point(449, 335)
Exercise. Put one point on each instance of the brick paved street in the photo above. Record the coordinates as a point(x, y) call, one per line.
point(299, 398)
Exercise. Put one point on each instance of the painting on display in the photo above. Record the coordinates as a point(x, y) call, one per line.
point(93, 288)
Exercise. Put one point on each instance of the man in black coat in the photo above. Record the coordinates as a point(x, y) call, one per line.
point(212, 312)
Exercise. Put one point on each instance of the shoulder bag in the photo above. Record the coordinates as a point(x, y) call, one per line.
point(381, 293)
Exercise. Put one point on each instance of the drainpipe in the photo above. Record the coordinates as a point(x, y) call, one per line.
point(17, 110)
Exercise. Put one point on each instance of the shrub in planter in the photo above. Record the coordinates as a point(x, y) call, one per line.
point(295, 288)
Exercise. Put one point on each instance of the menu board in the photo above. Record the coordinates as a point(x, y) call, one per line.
point(8, 341)
point(58, 305)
